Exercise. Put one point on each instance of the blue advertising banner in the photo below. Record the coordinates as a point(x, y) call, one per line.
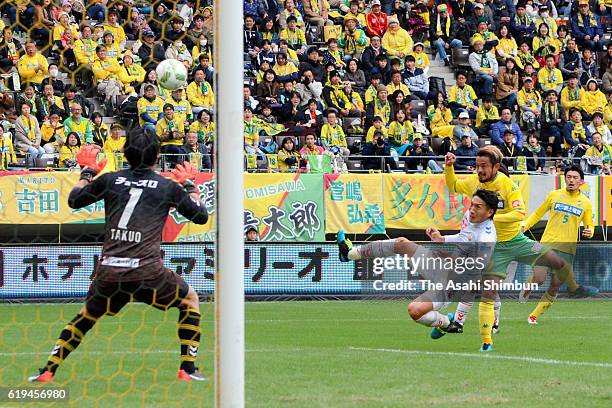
point(28, 272)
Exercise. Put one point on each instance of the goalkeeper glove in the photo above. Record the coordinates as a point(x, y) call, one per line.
point(87, 159)
point(185, 174)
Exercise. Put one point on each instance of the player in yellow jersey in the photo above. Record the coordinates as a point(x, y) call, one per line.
point(511, 245)
point(568, 208)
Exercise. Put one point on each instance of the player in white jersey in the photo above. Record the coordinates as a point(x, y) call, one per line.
point(455, 270)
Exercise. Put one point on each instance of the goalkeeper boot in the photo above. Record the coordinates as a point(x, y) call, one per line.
point(344, 246)
point(583, 291)
point(486, 347)
point(438, 332)
point(533, 320)
point(196, 375)
point(43, 376)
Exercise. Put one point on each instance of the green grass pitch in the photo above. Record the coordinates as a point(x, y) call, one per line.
point(326, 354)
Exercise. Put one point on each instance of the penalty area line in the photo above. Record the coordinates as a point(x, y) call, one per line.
point(487, 357)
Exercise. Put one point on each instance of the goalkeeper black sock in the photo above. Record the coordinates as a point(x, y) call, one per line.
point(69, 340)
point(189, 335)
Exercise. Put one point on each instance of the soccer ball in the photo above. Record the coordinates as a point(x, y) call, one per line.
point(171, 74)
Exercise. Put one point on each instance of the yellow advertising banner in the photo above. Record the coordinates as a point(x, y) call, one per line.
point(418, 201)
point(354, 203)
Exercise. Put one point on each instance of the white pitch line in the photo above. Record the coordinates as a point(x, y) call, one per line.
point(487, 356)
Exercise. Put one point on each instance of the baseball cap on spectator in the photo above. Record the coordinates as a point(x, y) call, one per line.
point(464, 115)
point(349, 17)
point(375, 3)
point(113, 11)
point(528, 79)
point(463, 136)
point(392, 19)
point(479, 5)
point(116, 126)
point(381, 88)
point(177, 18)
point(543, 6)
point(66, 3)
point(583, 2)
point(508, 131)
point(442, 8)
point(417, 136)
point(148, 33)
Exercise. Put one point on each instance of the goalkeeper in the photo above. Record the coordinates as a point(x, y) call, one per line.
point(136, 203)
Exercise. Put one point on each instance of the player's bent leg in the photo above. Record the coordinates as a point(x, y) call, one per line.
point(189, 333)
point(546, 301)
point(377, 249)
point(69, 339)
point(539, 276)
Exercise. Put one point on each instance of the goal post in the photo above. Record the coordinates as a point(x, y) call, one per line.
point(229, 316)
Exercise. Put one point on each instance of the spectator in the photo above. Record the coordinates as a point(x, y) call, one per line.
point(522, 25)
point(370, 54)
point(10, 50)
point(353, 40)
point(171, 133)
point(534, 153)
point(509, 150)
point(463, 128)
point(377, 153)
point(355, 76)
point(209, 71)
point(288, 11)
point(420, 57)
point(396, 40)
point(593, 100)
point(113, 50)
point(572, 95)
point(552, 120)
point(416, 79)
point(197, 29)
point(182, 107)
point(462, 10)
point(588, 66)
point(332, 135)
point(440, 118)
point(607, 79)
point(114, 144)
point(311, 119)
point(99, 130)
point(57, 84)
point(480, 15)
point(106, 72)
point(487, 115)
point(150, 108)
point(316, 13)
point(200, 94)
point(112, 25)
point(380, 106)
point(310, 147)
point(376, 21)
point(577, 138)
point(285, 71)
point(204, 127)
point(161, 16)
point(251, 135)
point(398, 101)
point(604, 62)
point(506, 123)
point(334, 55)
point(68, 151)
point(267, 90)
point(27, 135)
point(549, 77)
point(462, 95)
point(525, 57)
point(71, 98)
point(7, 151)
point(85, 54)
point(268, 32)
point(150, 52)
point(48, 103)
point(334, 97)
point(33, 66)
point(507, 47)
point(400, 133)
point(354, 12)
point(251, 235)
point(78, 124)
point(130, 74)
point(383, 68)
point(441, 30)
point(466, 154)
point(357, 110)
point(598, 126)
point(586, 28)
point(377, 126)
point(248, 98)
point(294, 35)
point(570, 60)
point(420, 155)
point(178, 51)
point(43, 22)
point(545, 18)
point(544, 44)
point(396, 83)
point(507, 85)
point(530, 103)
point(251, 39)
point(313, 64)
point(488, 38)
point(52, 134)
point(288, 157)
point(598, 157)
point(136, 24)
point(196, 151)
point(484, 66)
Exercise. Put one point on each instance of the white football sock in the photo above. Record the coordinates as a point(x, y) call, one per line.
point(463, 309)
point(434, 319)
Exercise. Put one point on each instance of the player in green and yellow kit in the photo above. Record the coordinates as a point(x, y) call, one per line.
point(568, 208)
point(511, 245)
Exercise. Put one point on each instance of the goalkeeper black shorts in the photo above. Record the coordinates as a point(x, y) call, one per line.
point(162, 291)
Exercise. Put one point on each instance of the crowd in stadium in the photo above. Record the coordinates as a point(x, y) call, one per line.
point(350, 81)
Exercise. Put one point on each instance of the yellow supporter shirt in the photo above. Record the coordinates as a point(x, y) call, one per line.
point(206, 133)
point(372, 130)
point(567, 211)
point(482, 114)
point(85, 51)
point(33, 69)
point(201, 95)
point(118, 32)
point(549, 78)
point(176, 125)
point(421, 59)
point(333, 135)
point(153, 108)
point(114, 146)
point(67, 152)
point(464, 97)
point(182, 108)
point(107, 69)
point(511, 208)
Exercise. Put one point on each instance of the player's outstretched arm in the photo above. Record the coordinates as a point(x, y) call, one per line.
point(186, 199)
point(452, 182)
point(87, 190)
point(539, 213)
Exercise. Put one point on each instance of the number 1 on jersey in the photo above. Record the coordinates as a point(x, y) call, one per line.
point(135, 194)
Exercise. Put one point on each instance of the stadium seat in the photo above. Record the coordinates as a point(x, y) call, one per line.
point(460, 57)
point(482, 142)
point(354, 165)
point(419, 107)
point(436, 143)
point(46, 162)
